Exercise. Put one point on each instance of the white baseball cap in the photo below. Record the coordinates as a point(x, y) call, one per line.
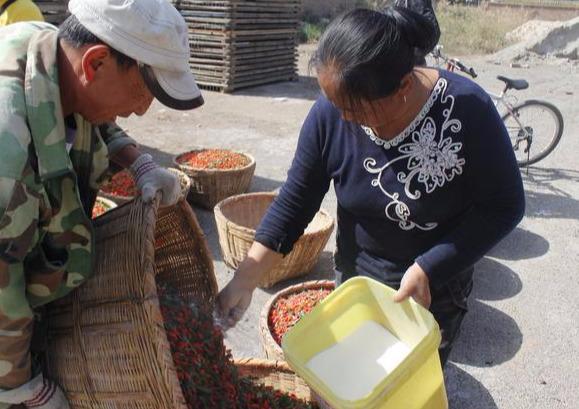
point(153, 33)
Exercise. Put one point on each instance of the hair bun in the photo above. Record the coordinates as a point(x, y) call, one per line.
point(419, 29)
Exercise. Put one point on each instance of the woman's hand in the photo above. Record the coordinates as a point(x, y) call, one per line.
point(232, 302)
point(234, 299)
point(414, 284)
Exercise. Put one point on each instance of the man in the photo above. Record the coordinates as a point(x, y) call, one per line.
point(60, 91)
point(13, 11)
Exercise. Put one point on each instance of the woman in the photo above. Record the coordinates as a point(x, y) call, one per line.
point(424, 173)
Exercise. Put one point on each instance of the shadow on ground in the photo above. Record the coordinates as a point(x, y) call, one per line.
point(305, 87)
point(520, 244)
point(261, 184)
point(464, 391)
point(494, 281)
point(161, 157)
point(488, 336)
point(544, 198)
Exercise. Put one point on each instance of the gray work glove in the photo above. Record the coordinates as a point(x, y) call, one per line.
point(39, 393)
point(150, 179)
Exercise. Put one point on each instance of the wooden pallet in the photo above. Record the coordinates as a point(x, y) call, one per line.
point(241, 43)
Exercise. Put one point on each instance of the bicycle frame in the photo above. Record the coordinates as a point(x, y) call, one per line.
point(523, 133)
point(520, 129)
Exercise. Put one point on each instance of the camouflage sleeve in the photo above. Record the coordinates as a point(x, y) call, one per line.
point(115, 138)
point(20, 209)
point(6, 188)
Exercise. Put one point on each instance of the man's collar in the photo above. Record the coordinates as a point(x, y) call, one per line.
point(45, 116)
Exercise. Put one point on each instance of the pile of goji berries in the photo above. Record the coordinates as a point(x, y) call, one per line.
point(98, 209)
point(213, 159)
point(206, 371)
point(121, 184)
point(286, 311)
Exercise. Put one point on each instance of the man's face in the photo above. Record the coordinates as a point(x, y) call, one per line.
point(110, 90)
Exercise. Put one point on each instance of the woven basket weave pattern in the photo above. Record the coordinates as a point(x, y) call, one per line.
point(276, 374)
point(238, 217)
point(210, 186)
point(107, 346)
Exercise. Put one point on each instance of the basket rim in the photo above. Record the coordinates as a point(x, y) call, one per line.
point(186, 168)
point(110, 196)
point(264, 315)
point(272, 364)
point(183, 175)
point(219, 213)
point(106, 202)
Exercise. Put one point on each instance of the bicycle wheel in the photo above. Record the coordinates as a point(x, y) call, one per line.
point(535, 128)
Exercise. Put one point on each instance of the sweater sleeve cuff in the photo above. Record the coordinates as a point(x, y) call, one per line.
point(438, 266)
point(281, 246)
point(116, 144)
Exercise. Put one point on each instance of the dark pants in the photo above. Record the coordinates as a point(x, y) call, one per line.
point(449, 304)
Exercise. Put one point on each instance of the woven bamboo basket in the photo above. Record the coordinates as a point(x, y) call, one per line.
point(107, 346)
point(271, 349)
point(105, 203)
point(238, 217)
point(183, 179)
point(210, 186)
point(276, 374)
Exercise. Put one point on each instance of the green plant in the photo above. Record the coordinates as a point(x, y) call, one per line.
point(310, 32)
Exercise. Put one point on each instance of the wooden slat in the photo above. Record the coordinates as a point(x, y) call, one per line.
point(239, 43)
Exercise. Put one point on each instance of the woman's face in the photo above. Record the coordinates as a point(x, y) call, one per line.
point(375, 113)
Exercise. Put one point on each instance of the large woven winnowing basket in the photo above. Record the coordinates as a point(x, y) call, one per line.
point(271, 349)
point(237, 218)
point(210, 186)
point(107, 343)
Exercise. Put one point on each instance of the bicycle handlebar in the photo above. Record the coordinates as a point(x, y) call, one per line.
point(468, 70)
point(437, 53)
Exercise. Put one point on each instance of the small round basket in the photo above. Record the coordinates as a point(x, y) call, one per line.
point(102, 205)
point(270, 346)
point(119, 200)
point(209, 186)
point(237, 218)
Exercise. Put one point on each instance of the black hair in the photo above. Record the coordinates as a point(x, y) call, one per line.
point(370, 51)
point(77, 35)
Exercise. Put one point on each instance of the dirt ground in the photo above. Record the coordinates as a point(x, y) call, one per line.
point(519, 346)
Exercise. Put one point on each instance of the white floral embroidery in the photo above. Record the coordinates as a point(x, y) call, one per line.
point(431, 161)
point(387, 144)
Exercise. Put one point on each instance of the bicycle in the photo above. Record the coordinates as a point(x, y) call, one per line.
point(526, 122)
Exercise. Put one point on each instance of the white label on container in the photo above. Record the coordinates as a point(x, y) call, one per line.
point(354, 366)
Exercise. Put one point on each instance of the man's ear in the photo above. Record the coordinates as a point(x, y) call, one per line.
point(93, 60)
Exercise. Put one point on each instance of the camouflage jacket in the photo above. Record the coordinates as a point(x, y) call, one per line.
point(46, 192)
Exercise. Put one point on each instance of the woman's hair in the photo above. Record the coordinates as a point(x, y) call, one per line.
point(370, 52)
point(77, 36)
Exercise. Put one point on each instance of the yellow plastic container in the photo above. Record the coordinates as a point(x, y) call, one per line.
point(416, 383)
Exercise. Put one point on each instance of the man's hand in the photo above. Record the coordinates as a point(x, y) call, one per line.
point(414, 284)
point(232, 302)
point(150, 179)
